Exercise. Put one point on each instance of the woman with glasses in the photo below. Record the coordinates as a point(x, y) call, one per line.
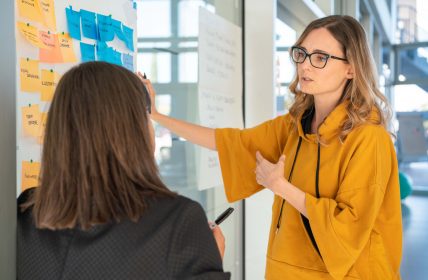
point(330, 163)
point(101, 210)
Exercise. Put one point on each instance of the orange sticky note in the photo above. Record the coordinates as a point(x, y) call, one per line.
point(48, 83)
point(48, 39)
point(47, 10)
point(30, 9)
point(30, 77)
point(43, 118)
point(31, 120)
point(67, 49)
point(30, 172)
point(53, 54)
point(31, 33)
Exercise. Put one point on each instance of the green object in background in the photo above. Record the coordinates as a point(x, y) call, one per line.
point(405, 185)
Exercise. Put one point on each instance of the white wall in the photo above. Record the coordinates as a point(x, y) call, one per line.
point(259, 106)
point(7, 142)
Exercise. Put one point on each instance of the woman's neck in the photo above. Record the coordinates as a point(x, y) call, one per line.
point(323, 107)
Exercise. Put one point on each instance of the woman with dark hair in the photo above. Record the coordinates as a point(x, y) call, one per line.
point(330, 162)
point(101, 210)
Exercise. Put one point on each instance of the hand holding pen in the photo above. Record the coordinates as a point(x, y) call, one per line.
point(218, 235)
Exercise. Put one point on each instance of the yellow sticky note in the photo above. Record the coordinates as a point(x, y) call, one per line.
point(48, 84)
point(30, 77)
point(30, 172)
point(43, 119)
point(31, 33)
point(67, 49)
point(31, 120)
point(30, 9)
point(47, 10)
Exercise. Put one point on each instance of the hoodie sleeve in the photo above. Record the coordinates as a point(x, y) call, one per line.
point(342, 225)
point(237, 153)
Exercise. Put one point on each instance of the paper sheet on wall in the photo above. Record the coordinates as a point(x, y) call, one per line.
point(219, 87)
point(89, 24)
point(49, 80)
point(53, 54)
point(67, 48)
point(31, 120)
point(87, 52)
point(29, 75)
point(29, 9)
point(31, 33)
point(30, 171)
point(47, 10)
point(73, 23)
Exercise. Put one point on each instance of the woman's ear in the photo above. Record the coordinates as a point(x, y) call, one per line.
point(350, 72)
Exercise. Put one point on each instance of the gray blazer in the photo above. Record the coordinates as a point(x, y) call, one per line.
point(171, 240)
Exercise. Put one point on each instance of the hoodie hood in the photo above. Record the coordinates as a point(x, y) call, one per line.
point(329, 128)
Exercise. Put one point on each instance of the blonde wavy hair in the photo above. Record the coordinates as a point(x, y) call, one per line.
point(362, 91)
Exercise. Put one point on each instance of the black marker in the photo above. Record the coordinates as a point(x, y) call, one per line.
point(223, 216)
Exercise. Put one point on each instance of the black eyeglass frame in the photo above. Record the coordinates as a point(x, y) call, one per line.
point(328, 56)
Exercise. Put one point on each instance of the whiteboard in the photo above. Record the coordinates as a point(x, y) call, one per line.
point(29, 147)
point(219, 87)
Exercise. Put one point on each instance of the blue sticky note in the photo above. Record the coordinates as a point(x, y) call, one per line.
point(105, 28)
point(89, 24)
point(117, 27)
point(87, 51)
point(73, 23)
point(129, 37)
point(102, 51)
point(116, 57)
point(101, 46)
point(128, 62)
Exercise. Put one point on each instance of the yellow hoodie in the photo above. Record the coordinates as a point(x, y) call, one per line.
point(354, 228)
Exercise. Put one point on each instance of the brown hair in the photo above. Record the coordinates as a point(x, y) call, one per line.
point(98, 161)
point(362, 91)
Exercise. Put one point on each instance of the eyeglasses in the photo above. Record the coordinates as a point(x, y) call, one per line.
point(317, 59)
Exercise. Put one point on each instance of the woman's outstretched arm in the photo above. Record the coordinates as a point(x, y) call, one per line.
point(199, 135)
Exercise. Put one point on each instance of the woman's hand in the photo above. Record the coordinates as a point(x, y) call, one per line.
point(268, 174)
point(152, 93)
point(219, 238)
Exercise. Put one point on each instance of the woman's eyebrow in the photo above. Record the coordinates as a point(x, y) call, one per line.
point(316, 50)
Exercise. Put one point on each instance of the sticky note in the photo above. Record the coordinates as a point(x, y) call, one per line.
point(30, 9)
point(47, 10)
point(31, 33)
point(73, 23)
point(31, 120)
point(66, 47)
point(128, 62)
point(102, 51)
point(53, 54)
point(105, 28)
point(117, 28)
point(89, 24)
point(30, 172)
point(48, 39)
point(129, 37)
point(116, 58)
point(87, 52)
point(49, 80)
point(104, 54)
point(29, 75)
